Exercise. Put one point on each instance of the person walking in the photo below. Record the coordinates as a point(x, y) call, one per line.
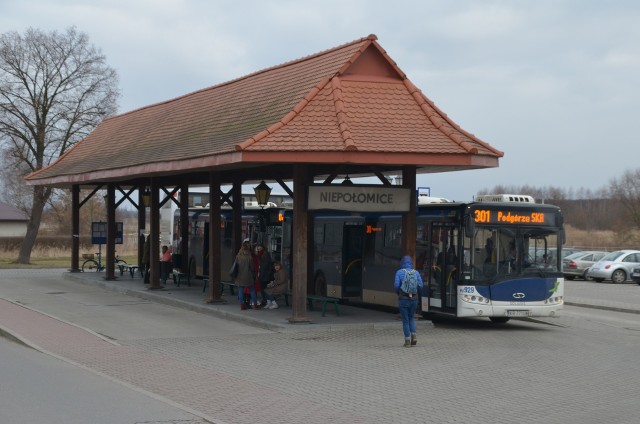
point(246, 275)
point(407, 283)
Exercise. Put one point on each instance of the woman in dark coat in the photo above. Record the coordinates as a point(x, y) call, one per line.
point(246, 275)
point(265, 271)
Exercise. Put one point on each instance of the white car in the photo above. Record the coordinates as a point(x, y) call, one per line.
point(616, 266)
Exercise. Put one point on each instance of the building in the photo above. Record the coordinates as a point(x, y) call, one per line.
point(13, 221)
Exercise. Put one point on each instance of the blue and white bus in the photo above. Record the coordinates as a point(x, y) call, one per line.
point(495, 257)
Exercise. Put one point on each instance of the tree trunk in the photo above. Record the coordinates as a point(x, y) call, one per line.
point(40, 195)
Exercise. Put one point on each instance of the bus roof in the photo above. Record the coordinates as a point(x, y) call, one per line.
point(509, 198)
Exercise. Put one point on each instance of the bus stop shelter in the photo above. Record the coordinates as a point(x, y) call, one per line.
point(348, 111)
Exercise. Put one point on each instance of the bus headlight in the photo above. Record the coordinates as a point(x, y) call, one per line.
point(554, 300)
point(475, 299)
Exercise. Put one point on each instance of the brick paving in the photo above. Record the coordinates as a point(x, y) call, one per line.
point(460, 372)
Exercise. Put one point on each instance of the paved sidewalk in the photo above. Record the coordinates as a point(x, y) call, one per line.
point(193, 298)
point(346, 369)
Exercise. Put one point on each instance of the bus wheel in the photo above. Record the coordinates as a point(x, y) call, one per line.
point(499, 320)
point(320, 283)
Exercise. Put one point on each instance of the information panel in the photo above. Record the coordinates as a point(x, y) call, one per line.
point(99, 233)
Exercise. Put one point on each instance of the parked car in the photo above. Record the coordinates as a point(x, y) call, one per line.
point(577, 264)
point(635, 275)
point(615, 266)
point(536, 255)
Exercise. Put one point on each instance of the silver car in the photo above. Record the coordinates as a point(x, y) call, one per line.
point(577, 264)
point(615, 266)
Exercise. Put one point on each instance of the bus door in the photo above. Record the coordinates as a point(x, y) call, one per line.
point(352, 252)
point(444, 266)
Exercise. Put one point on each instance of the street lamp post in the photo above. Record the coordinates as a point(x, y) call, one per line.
point(262, 192)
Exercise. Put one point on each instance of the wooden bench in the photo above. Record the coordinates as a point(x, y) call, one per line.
point(132, 268)
point(179, 275)
point(230, 284)
point(312, 297)
point(324, 300)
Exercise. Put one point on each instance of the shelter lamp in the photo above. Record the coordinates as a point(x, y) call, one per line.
point(262, 192)
point(146, 197)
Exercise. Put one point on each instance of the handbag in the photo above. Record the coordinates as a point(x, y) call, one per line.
point(233, 272)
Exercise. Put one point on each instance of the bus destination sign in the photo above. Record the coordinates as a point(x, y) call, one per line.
point(507, 217)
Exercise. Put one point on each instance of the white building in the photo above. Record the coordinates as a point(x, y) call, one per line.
point(13, 222)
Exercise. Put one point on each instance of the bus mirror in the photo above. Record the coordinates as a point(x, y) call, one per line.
point(468, 226)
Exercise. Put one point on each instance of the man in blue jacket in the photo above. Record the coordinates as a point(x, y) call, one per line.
point(406, 285)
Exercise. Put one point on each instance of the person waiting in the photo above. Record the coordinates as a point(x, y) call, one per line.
point(165, 264)
point(278, 286)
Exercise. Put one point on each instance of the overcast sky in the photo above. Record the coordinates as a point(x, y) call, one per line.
point(554, 84)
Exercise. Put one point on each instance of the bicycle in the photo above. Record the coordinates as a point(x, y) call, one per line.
point(91, 264)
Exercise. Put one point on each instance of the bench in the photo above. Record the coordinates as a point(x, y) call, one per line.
point(179, 275)
point(132, 268)
point(324, 300)
point(312, 297)
point(230, 284)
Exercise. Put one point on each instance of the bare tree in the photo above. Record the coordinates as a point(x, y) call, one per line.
point(55, 88)
point(626, 190)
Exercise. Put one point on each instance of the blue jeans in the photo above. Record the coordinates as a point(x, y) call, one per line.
point(252, 293)
point(407, 311)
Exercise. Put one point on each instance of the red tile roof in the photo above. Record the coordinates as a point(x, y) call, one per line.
point(352, 98)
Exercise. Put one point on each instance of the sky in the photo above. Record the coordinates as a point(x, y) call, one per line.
point(554, 84)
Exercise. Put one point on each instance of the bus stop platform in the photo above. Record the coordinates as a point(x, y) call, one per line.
point(193, 298)
point(615, 297)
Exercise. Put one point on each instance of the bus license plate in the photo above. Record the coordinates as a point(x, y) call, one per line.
point(517, 313)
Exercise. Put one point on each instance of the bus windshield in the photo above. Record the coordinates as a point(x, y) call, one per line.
point(499, 253)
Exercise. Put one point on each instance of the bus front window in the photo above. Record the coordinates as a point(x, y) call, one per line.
point(543, 251)
point(499, 253)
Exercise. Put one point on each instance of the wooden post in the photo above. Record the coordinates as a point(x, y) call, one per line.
point(142, 223)
point(184, 229)
point(109, 259)
point(409, 222)
point(214, 239)
point(154, 234)
point(75, 228)
point(299, 276)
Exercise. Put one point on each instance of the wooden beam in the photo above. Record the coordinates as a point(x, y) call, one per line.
point(299, 277)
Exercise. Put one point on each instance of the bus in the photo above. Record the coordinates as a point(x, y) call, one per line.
point(495, 258)
point(258, 226)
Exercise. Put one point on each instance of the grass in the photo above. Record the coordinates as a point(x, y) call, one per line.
point(50, 262)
